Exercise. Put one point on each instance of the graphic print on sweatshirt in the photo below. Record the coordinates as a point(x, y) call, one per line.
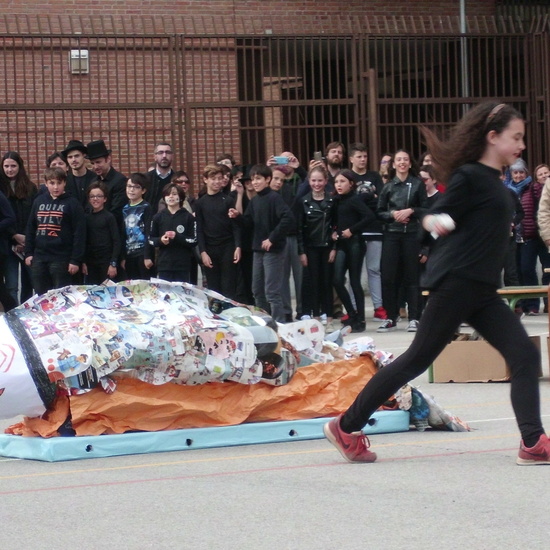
point(135, 228)
point(49, 217)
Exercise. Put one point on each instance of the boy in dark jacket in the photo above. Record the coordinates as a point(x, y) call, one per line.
point(55, 238)
point(271, 220)
point(174, 233)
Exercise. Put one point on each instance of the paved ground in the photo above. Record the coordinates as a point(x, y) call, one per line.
point(428, 490)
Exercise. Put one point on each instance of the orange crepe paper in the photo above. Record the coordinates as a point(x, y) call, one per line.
point(315, 391)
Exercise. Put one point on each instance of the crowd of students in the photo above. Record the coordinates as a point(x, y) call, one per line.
point(252, 230)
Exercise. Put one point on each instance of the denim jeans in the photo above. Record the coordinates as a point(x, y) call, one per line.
point(47, 275)
point(372, 263)
point(11, 277)
point(267, 282)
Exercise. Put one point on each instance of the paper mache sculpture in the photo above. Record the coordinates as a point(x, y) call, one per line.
point(79, 337)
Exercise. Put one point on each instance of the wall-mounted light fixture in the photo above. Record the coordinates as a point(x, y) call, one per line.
point(79, 62)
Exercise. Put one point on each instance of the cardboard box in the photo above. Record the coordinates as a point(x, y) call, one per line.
point(473, 361)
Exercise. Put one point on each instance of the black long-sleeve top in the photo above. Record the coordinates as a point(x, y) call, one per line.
point(102, 237)
point(214, 226)
point(350, 212)
point(177, 254)
point(78, 186)
point(482, 210)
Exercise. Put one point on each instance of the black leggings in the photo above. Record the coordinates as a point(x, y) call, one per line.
point(320, 281)
point(457, 300)
point(349, 258)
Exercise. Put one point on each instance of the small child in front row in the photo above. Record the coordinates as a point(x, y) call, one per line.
point(174, 232)
point(102, 238)
point(137, 216)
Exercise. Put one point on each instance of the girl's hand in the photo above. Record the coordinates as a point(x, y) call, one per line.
point(347, 234)
point(402, 216)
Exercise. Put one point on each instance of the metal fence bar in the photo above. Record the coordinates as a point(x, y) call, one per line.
point(253, 95)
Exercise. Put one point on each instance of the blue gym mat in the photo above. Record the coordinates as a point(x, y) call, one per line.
point(58, 449)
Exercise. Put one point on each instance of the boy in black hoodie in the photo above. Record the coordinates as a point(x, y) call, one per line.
point(55, 238)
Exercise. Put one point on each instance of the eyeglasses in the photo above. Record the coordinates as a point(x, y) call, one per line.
point(133, 186)
point(95, 197)
point(181, 181)
point(163, 153)
point(425, 179)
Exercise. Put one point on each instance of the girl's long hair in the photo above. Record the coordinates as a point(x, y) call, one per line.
point(467, 142)
point(24, 187)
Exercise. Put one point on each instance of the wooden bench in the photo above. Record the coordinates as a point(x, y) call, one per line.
point(513, 294)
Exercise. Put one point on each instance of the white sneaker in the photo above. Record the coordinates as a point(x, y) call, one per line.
point(305, 317)
point(413, 326)
point(324, 318)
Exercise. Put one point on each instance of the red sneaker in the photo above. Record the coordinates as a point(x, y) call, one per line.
point(539, 454)
point(380, 313)
point(353, 447)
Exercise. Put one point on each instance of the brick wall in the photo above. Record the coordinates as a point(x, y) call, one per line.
point(247, 8)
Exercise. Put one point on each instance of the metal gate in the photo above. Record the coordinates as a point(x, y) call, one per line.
point(257, 95)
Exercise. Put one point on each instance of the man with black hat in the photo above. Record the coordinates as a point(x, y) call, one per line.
point(79, 177)
point(100, 157)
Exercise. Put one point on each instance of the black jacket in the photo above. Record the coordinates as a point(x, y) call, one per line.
point(398, 195)
point(271, 219)
point(156, 185)
point(7, 223)
point(116, 193)
point(314, 223)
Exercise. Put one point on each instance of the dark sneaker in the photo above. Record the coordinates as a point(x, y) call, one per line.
point(539, 454)
point(380, 314)
point(386, 326)
point(358, 327)
point(353, 447)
